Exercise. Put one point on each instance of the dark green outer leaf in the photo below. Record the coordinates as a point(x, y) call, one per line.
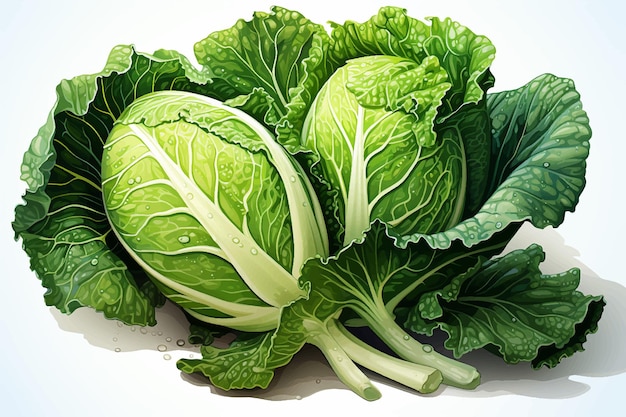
point(63, 224)
point(240, 365)
point(473, 127)
point(540, 141)
point(508, 306)
point(551, 356)
point(250, 360)
point(374, 272)
point(271, 67)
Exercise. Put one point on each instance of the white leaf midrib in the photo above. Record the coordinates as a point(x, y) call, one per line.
point(284, 288)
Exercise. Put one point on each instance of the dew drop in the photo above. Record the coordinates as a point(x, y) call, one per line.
point(94, 261)
point(235, 240)
point(189, 196)
point(180, 342)
point(513, 319)
point(318, 381)
point(167, 357)
point(427, 348)
point(143, 330)
point(184, 239)
point(210, 215)
point(292, 179)
point(406, 337)
point(115, 339)
point(168, 339)
point(298, 397)
point(498, 225)
point(131, 181)
point(546, 164)
point(161, 348)
point(118, 350)
point(137, 179)
point(254, 251)
point(147, 207)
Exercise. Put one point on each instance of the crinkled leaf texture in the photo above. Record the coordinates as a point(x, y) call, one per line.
point(540, 142)
point(508, 306)
point(367, 133)
point(63, 224)
point(271, 67)
point(463, 55)
point(250, 360)
point(211, 207)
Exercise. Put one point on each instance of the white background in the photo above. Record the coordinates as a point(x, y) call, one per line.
point(56, 365)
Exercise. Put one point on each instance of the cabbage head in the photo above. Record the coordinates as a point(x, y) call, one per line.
point(211, 207)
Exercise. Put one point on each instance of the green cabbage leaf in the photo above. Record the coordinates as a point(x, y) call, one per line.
point(507, 305)
point(63, 225)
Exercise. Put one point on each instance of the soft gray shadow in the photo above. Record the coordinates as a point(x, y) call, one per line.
point(309, 372)
point(170, 332)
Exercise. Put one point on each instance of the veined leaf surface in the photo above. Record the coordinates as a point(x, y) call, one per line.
point(63, 224)
point(211, 206)
point(371, 134)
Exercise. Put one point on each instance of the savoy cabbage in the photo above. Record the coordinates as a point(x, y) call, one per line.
point(301, 184)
